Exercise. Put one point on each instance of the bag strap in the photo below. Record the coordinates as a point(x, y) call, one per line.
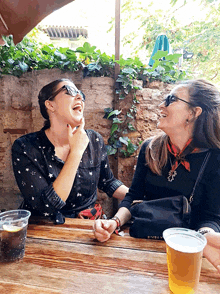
point(199, 175)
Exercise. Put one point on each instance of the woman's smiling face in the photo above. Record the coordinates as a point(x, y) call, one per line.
point(174, 117)
point(68, 109)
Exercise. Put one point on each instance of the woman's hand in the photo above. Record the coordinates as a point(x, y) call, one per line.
point(78, 141)
point(78, 138)
point(103, 229)
point(212, 249)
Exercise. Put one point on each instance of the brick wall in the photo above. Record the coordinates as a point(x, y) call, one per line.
point(19, 114)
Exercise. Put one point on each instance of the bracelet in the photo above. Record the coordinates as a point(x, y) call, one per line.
point(204, 231)
point(118, 222)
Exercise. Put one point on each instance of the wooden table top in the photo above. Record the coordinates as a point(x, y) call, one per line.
point(67, 259)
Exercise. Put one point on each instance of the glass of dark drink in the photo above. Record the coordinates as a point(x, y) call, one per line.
point(13, 231)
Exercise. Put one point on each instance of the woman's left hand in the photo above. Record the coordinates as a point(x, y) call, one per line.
point(103, 229)
point(212, 249)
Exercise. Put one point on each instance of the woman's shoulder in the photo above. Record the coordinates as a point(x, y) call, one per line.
point(93, 135)
point(29, 139)
point(213, 163)
point(215, 151)
point(215, 155)
point(146, 142)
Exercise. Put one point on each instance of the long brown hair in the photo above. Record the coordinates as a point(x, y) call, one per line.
point(206, 133)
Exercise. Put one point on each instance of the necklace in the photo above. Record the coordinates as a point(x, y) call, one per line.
point(172, 173)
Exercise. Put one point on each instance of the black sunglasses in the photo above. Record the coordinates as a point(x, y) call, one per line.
point(172, 98)
point(70, 91)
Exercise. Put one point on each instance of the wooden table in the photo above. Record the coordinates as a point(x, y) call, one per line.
point(67, 259)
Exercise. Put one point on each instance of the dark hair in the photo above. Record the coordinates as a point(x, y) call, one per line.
point(206, 133)
point(45, 93)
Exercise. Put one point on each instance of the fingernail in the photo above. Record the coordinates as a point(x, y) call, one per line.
point(218, 268)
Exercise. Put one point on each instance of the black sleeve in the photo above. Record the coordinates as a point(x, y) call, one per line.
point(210, 216)
point(107, 182)
point(138, 187)
point(36, 188)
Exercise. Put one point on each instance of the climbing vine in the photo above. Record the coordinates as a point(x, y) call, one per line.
point(29, 55)
point(164, 69)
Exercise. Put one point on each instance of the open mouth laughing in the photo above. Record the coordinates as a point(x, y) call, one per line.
point(77, 107)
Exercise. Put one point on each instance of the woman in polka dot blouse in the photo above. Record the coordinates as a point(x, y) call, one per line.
point(59, 168)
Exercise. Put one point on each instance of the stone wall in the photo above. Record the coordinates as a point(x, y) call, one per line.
point(145, 123)
point(19, 114)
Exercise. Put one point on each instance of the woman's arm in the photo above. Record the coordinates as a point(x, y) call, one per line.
point(120, 192)
point(40, 190)
point(210, 208)
point(78, 142)
point(107, 182)
point(210, 215)
point(103, 229)
point(212, 249)
point(33, 181)
point(138, 186)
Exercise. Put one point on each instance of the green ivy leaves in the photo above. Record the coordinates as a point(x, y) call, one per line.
point(164, 69)
point(116, 141)
point(29, 55)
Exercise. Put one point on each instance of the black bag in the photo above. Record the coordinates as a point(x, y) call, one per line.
point(151, 218)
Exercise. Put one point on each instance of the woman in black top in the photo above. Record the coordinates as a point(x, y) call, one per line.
point(59, 168)
point(168, 164)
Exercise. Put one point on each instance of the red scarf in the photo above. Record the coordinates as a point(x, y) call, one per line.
point(180, 157)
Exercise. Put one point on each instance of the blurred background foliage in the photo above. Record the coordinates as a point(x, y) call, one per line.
point(201, 35)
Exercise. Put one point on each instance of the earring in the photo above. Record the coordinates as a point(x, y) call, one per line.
point(186, 123)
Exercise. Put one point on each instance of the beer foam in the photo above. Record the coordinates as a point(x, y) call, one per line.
point(185, 243)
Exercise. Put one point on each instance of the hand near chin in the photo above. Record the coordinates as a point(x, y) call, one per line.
point(78, 138)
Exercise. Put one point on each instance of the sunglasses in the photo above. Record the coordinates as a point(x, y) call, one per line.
point(172, 98)
point(70, 91)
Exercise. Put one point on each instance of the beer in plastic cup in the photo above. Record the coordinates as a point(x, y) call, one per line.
point(184, 259)
point(13, 230)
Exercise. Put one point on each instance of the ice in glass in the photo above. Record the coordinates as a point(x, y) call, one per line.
point(13, 230)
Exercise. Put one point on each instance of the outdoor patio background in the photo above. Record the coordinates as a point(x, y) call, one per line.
point(19, 114)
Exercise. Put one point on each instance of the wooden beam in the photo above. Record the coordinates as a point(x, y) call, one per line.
point(15, 131)
point(117, 36)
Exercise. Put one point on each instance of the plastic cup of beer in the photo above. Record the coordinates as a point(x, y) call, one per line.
point(184, 259)
point(13, 231)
